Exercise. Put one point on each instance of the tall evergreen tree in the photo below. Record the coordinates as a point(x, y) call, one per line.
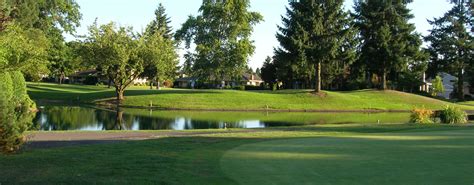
point(389, 41)
point(161, 23)
point(314, 33)
point(451, 43)
point(221, 34)
point(269, 73)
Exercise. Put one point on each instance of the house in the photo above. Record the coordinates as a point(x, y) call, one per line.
point(426, 86)
point(251, 79)
point(185, 82)
point(92, 77)
point(85, 77)
point(449, 84)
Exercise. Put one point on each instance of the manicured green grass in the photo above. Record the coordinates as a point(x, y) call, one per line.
point(468, 103)
point(238, 100)
point(325, 154)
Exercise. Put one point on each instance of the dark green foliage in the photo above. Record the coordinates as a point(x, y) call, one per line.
point(390, 44)
point(451, 45)
point(161, 24)
point(45, 14)
point(15, 111)
point(316, 44)
point(268, 72)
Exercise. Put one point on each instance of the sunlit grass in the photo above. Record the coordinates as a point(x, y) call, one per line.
point(320, 154)
point(239, 100)
point(395, 158)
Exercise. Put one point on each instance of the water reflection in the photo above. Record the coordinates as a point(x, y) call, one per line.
point(86, 118)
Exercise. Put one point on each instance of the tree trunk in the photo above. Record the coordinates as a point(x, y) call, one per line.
point(151, 85)
point(460, 85)
point(119, 94)
point(61, 78)
point(158, 87)
point(384, 80)
point(318, 78)
point(119, 125)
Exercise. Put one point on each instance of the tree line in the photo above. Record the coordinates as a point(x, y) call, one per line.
point(30, 36)
point(374, 46)
point(322, 45)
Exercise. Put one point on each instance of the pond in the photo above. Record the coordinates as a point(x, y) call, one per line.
point(52, 118)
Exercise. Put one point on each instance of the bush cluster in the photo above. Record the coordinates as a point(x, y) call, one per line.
point(449, 115)
point(16, 113)
point(452, 115)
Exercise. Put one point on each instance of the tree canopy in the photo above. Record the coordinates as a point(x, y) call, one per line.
point(221, 34)
point(315, 33)
point(116, 52)
point(389, 42)
point(161, 58)
point(451, 45)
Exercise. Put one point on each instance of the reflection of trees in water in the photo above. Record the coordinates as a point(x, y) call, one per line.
point(153, 123)
point(76, 118)
point(114, 120)
point(198, 124)
point(65, 118)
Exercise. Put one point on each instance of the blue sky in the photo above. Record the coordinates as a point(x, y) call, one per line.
point(138, 13)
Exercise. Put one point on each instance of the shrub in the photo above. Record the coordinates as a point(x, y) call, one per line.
point(421, 116)
point(90, 80)
point(241, 88)
point(253, 88)
point(437, 87)
point(452, 115)
point(15, 111)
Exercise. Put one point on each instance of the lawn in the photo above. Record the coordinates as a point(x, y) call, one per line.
point(324, 154)
point(238, 100)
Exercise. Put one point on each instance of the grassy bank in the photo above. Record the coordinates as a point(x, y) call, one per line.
point(238, 100)
point(325, 154)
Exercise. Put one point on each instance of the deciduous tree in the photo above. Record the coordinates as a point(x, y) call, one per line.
point(116, 51)
point(221, 34)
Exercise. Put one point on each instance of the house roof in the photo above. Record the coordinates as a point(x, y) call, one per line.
point(248, 77)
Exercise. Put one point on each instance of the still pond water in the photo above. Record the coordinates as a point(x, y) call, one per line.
point(51, 118)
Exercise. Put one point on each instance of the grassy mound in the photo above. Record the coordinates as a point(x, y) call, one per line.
point(240, 100)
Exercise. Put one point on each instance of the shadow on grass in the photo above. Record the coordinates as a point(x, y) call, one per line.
point(197, 159)
point(68, 87)
point(46, 93)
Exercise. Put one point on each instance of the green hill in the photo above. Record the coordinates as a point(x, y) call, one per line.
point(294, 100)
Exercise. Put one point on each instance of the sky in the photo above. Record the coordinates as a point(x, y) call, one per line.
point(138, 13)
